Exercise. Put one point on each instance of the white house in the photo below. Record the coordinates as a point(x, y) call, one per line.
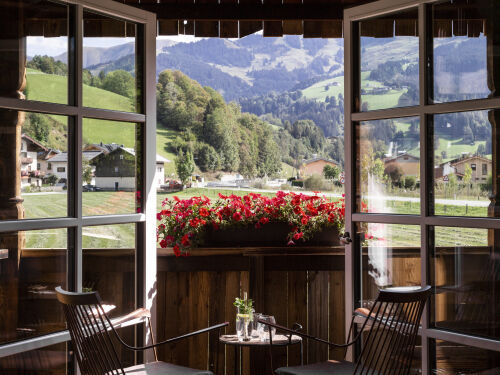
point(30, 174)
point(58, 164)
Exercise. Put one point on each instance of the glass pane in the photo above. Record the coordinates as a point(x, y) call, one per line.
point(109, 62)
point(388, 165)
point(50, 360)
point(33, 165)
point(37, 36)
point(390, 257)
point(462, 49)
point(456, 359)
point(109, 268)
point(466, 275)
point(389, 61)
point(110, 167)
point(462, 163)
point(32, 264)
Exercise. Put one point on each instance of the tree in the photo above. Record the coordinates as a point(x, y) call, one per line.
point(467, 174)
point(410, 182)
point(120, 82)
point(86, 171)
point(331, 172)
point(395, 173)
point(481, 149)
point(184, 165)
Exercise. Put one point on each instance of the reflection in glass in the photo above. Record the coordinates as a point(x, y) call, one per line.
point(388, 165)
point(389, 61)
point(109, 167)
point(37, 35)
point(390, 257)
point(455, 359)
point(109, 268)
point(461, 49)
point(466, 276)
point(32, 264)
point(109, 62)
point(50, 360)
point(462, 163)
point(34, 173)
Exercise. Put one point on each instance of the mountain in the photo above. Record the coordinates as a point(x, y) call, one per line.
point(244, 67)
point(100, 55)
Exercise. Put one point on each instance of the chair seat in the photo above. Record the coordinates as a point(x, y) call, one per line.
point(320, 368)
point(163, 368)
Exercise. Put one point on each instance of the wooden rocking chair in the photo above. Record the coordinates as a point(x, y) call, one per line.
point(90, 330)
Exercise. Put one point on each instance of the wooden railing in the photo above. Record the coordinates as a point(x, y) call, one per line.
point(295, 285)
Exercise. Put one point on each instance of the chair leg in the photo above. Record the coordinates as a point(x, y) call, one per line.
point(153, 339)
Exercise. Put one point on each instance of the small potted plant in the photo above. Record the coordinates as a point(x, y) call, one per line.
point(244, 315)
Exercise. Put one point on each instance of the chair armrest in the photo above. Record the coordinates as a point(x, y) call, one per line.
point(171, 340)
point(305, 335)
point(135, 316)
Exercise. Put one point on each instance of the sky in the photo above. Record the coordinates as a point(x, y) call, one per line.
point(55, 46)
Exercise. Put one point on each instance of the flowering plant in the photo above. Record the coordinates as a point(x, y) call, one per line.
point(183, 222)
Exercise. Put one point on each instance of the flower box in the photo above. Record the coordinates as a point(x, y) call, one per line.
point(253, 220)
point(274, 234)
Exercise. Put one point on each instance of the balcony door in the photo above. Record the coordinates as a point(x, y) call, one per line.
point(422, 118)
point(77, 166)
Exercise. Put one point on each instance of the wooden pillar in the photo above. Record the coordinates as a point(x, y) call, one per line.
point(12, 83)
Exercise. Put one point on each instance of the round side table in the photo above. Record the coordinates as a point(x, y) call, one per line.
point(278, 340)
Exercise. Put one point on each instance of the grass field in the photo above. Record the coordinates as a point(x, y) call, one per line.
point(320, 90)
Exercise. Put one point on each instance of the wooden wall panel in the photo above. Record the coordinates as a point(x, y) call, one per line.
point(317, 315)
point(297, 311)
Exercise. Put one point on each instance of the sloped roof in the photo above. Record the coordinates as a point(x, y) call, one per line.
point(34, 142)
point(309, 161)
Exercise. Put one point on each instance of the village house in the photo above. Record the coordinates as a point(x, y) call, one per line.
point(408, 164)
point(480, 166)
point(30, 174)
point(57, 164)
point(315, 166)
point(115, 167)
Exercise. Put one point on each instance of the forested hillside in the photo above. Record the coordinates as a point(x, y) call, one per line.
point(222, 137)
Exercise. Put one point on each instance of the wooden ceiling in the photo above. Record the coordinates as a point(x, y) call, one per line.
point(236, 19)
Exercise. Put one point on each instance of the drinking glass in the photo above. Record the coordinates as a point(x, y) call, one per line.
point(255, 325)
point(264, 330)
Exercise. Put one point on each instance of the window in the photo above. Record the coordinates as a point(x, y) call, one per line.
point(42, 253)
point(449, 89)
point(121, 157)
point(116, 169)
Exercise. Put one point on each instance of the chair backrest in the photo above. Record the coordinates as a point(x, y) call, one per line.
point(391, 330)
point(89, 328)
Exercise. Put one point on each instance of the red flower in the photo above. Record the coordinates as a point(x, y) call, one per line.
point(297, 210)
point(177, 250)
point(158, 216)
point(264, 220)
point(185, 240)
point(193, 223)
point(163, 244)
point(298, 235)
point(237, 216)
point(304, 220)
point(204, 212)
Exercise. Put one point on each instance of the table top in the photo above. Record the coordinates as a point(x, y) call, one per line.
point(278, 340)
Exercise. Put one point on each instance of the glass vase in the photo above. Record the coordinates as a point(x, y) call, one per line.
point(243, 320)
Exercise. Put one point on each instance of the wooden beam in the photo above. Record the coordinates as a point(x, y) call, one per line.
point(247, 12)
